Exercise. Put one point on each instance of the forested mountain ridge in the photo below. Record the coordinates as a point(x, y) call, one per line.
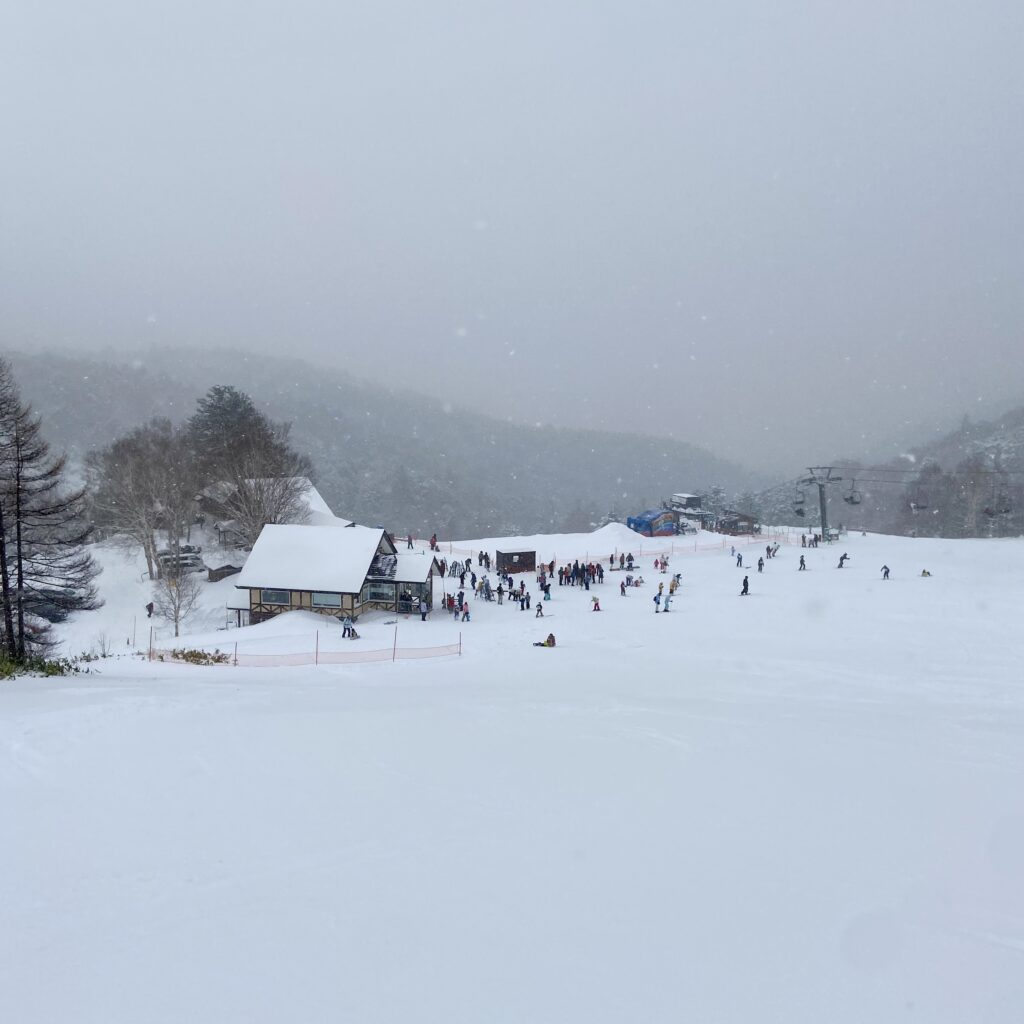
point(382, 456)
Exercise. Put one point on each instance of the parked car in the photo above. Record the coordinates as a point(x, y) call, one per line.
point(183, 561)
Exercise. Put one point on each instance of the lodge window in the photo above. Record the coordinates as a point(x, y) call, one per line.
point(326, 600)
point(378, 592)
point(275, 597)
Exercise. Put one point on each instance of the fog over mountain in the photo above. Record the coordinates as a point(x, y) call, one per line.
point(775, 230)
point(384, 456)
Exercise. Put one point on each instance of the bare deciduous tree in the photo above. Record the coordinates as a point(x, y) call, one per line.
point(255, 501)
point(142, 483)
point(175, 597)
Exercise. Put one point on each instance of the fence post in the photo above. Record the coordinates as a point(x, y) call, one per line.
point(460, 643)
point(236, 654)
point(394, 648)
point(316, 649)
point(150, 643)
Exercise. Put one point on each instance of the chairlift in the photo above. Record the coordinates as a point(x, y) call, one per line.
point(854, 497)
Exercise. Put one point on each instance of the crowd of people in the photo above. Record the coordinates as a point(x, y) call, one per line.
point(510, 591)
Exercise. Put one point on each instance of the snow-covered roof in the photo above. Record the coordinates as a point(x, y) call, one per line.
point(412, 566)
point(321, 558)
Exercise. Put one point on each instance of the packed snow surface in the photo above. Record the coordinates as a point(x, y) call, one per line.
point(803, 806)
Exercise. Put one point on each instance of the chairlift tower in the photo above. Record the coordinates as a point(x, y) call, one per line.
point(821, 477)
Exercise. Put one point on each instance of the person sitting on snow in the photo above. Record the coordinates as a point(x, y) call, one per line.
point(550, 642)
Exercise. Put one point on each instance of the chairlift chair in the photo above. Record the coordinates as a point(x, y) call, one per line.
point(854, 497)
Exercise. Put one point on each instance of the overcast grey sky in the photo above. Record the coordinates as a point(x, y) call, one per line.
point(781, 229)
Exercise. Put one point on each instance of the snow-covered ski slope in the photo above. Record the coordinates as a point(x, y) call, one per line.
point(803, 806)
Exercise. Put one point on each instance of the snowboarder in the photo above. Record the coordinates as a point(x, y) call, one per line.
point(842, 560)
point(149, 610)
point(746, 587)
point(739, 560)
point(550, 642)
point(346, 626)
point(925, 572)
point(803, 564)
point(540, 611)
point(885, 572)
point(760, 564)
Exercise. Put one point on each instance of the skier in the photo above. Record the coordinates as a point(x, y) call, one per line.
point(668, 602)
point(746, 587)
point(408, 542)
point(657, 603)
point(465, 612)
point(596, 604)
point(760, 564)
point(803, 564)
point(842, 560)
point(739, 560)
point(540, 611)
point(885, 572)
point(622, 588)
